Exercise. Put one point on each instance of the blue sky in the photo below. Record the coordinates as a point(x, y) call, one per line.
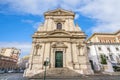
point(19, 19)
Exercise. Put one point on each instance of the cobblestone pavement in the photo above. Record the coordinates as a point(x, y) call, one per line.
point(19, 76)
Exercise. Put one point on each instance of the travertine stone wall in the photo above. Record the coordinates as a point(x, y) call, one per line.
point(69, 39)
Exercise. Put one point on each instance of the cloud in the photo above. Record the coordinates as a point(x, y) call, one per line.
point(37, 24)
point(106, 27)
point(33, 23)
point(38, 7)
point(24, 46)
point(33, 7)
point(105, 12)
point(27, 21)
point(77, 16)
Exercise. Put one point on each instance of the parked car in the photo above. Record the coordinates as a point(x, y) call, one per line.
point(21, 71)
point(2, 71)
point(116, 67)
point(10, 71)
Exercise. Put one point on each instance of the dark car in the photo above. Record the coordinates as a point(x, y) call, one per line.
point(116, 67)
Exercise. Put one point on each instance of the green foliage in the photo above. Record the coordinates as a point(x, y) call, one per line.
point(103, 59)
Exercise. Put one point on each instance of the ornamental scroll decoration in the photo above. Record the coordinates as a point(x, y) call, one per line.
point(37, 48)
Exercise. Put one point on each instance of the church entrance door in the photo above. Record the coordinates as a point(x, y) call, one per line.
point(59, 59)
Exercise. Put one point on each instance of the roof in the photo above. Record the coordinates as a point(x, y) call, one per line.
point(114, 33)
point(59, 11)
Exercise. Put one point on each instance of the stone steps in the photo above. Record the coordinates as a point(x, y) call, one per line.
point(61, 72)
point(58, 73)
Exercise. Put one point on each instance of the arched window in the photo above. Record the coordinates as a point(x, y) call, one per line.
point(59, 26)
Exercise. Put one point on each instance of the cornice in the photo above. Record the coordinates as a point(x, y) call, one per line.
point(98, 43)
point(59, 36)
point(114, 33)
point(52, 13)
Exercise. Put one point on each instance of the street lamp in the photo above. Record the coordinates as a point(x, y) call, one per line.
point(46, 64)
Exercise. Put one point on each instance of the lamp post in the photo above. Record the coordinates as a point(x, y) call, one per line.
point(46, 64)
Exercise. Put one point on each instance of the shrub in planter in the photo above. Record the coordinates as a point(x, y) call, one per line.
point(103, 59)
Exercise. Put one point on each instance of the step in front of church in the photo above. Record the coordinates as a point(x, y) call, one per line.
point(57, 73)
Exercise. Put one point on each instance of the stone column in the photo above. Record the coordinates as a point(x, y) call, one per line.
point(64, 56)
point(81, 51)
point(69, 55)
point(47, 50)
point(31, 56)
point(37, 47)
point(52, 57)
point(75, 56)
point(39, 50)
point(43, 55)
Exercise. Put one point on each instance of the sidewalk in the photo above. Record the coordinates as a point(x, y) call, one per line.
point(111, 73)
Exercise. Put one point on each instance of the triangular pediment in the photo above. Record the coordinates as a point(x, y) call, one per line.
point(59, 33)
point(59, 12)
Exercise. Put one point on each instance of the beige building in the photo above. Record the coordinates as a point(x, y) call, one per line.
point(22, 62)
point(10, 52)
point(105, 37)
point(60, 40)
point(9, 58)
point(104, 46)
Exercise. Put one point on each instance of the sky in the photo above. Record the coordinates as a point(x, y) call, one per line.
point(19, 19)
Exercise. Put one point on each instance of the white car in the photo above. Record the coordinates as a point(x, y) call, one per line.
point(10, 71)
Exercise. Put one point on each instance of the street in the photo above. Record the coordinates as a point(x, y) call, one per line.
point(86, 78)
point(19, 76)
point(12, 76)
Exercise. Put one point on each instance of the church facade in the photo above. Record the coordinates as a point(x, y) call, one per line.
point(60, 41)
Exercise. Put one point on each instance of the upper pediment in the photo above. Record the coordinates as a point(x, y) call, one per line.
point(59, 33)
point(59, 12)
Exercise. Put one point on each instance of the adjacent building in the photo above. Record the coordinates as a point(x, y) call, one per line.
point(60, 41)
point(22, 62)
point(104, 51)
point(9, 58)
point(7, 63)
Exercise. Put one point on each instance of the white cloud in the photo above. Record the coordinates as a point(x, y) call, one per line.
point(77, 16)
point(34, 24)
point(24, 46)
point(33, 7)
point(106, 12)
point(27, 21)
point(38, 7)
point(106, 27)
point(37, 24)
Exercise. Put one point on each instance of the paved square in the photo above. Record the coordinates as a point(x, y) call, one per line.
point(19, 76)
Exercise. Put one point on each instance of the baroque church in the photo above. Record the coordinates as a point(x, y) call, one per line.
point(61, 41)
